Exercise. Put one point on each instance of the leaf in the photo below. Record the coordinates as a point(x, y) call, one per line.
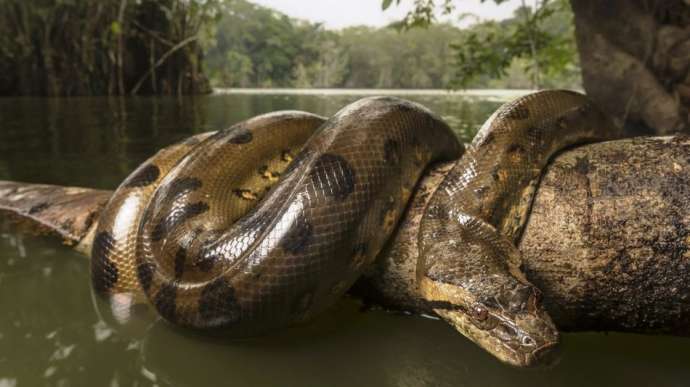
point(386, 4)
point(115, 28)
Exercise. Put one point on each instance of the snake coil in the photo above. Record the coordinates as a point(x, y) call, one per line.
point(268, 222)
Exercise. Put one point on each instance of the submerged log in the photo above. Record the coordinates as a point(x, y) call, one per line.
point(607, 242)
point(68, 212)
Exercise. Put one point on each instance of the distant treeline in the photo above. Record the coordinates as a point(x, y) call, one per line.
point(80, 47)
point(254, 46)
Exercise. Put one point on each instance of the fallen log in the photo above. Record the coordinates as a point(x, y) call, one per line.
point(607, 242)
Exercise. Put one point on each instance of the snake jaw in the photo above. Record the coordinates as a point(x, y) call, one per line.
point(513, 327)
point(521, 331)
point(522, 341)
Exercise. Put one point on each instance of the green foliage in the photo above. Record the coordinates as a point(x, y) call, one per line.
point(72, 47)
point(255, 46)
point(285, 52)
point(539, 40)
point(386, 58)
point(535, 36)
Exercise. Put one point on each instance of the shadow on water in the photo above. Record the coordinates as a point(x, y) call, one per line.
point(51, 333)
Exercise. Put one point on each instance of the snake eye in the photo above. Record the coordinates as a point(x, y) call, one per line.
point(527, 341)
point(480, 313)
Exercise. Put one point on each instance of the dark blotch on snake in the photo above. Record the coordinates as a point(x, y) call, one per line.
point(145, 176)
point(402, 106)
point(334, 175)
point(181, 186)
point(488, 139)
point(165, 302)
point(180, 259)
point(533, 132)
point(218, 304)
point(297, 237)
point(176, 217)
point(104, 273)
point(391, 152)
point(240, 136)
point(516, 148)
point(206, 262)
point(145, 275)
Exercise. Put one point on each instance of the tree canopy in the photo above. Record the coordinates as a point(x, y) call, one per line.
point(67, 47)
point(539, 37)
point(254, 46)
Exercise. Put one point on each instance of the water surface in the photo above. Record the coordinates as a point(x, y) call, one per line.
point(53, 333)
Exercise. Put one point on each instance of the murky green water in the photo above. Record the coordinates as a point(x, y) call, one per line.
point(51, 332)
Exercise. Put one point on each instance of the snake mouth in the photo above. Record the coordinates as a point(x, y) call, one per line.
point(544, 354)
point(531, 341)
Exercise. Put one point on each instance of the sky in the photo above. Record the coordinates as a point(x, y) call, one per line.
point(337, 14)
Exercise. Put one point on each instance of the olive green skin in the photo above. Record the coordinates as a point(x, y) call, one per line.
point(469, 265)
point(202, 262)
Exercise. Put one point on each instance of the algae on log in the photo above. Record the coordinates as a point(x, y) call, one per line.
point(607, 241)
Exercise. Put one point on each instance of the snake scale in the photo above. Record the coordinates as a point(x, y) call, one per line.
point(268, 222)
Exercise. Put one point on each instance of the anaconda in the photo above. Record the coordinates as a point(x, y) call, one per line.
point(176, 230)
point(468, 262)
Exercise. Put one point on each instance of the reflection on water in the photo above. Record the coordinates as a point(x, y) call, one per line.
point(52, 333)
point(97, 141)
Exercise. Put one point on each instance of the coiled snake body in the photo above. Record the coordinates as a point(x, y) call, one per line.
point(268, 222)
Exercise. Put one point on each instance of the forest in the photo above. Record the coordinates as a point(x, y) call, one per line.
point(254, 46)
point(118, 47)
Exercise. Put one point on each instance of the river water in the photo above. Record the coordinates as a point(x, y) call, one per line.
point(52, 332)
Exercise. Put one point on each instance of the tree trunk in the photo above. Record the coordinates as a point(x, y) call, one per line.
point(607, 242)
point(635, 58)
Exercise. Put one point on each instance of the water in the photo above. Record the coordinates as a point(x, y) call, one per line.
point(51, 332)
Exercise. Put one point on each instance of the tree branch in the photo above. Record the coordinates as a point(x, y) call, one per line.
point(162, 60)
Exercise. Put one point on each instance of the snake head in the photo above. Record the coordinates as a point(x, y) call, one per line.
point(491, 306)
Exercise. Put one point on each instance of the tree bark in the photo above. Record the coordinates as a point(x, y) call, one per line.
point(607, 241)
point(635, 58)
